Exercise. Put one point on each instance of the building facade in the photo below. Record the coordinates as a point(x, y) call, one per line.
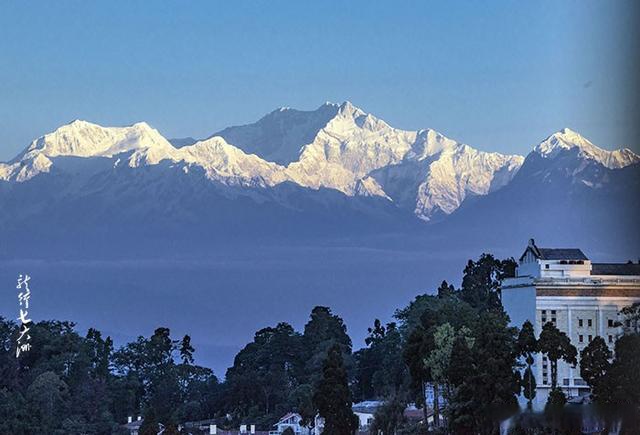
point(583, 299)
point(291, 421)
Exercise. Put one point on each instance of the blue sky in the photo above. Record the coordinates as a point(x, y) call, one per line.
point(498, 76)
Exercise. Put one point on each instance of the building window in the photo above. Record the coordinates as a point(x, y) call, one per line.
point(544, 312)
point(553, 312)
point(581, 338)
point(610, 323)
point(553, 320)
point(590, 338)
point(589, 323)
point(580, 323)
point(544, 320)
point(546, 266)
point(611, 339)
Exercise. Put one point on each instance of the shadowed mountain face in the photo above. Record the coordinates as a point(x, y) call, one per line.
point(279, 136)
point(160, 211)
point(566, 199)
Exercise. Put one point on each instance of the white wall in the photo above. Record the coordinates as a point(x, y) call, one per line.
point(520, 304)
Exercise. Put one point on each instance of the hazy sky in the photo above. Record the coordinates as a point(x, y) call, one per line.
point(498, 77)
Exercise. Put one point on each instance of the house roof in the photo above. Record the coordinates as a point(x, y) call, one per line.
point(367, 407)
point(554, 253)
point(363, 409)
point(561, 254)
point(199, 423)
point(288, 416)
point(135, 424)
point(414, 414)
point(615, 269)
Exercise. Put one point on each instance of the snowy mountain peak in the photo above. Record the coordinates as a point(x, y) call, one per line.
point(85, 139)
point(567, 139)
point(225, 163)
point(348, 109)
point(562, 140)
point(430, 142)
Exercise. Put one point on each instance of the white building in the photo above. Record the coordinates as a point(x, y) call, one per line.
point(291, 421)
point(365, 411)
point(583, 299)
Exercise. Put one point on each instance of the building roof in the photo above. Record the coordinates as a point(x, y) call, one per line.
point(199, 423)
point(287, 416)
point(367, 407)
point(364, 409)
point(554, 253)
point(615, 269)
point(135, 424)
point(561, 254)
point(414, 414)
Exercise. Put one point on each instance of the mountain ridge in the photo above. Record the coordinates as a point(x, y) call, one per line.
point(336, 146)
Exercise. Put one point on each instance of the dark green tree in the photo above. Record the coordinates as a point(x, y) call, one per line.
point(446, 290)
point(461, 410)
point(323, 330)
point(148, 378)
point(594, 365)
point(632, 316)
point(332, 397)
point(186, 350)
point(556, 346)
point(47, 398)
point(461, 372)
point(379, 368)
point(495, 382)
point(150, 424)
point(622, 382)
point(527, 346)
point(528, 384)
point(418, 346)
point(427, 313)
point(164, 388)
point(265, 374)
point(376, 333)
point(481, 281)
point(78, 385)
point(461, 365)
point(555, 404)
point(14, 413)
point(389, 416)
point(9, 364)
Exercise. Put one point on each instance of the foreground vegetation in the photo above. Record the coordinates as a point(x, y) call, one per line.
point(456, 341)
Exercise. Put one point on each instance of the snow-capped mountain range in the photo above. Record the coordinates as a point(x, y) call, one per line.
point(337, 147)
